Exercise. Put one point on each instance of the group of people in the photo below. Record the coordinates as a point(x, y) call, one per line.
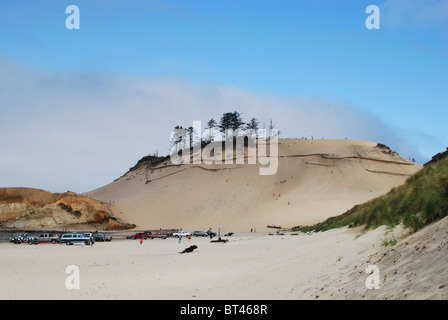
point(188, 237)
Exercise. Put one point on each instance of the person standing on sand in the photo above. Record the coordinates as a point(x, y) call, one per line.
point(180, 239)
point(141, 240)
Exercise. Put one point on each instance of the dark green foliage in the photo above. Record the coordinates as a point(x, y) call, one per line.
point(152, 160)
point(69, 209)
point(65, 207)
point(231, 121)
point(384, 148)
point(77, 213)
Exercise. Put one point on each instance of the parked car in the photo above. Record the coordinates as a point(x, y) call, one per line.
point(181, 234)
point(14, 237)
point(211, 233)
point(101, 237)
point(20, 238)
point(47, 238)
point(139, 235)
point(151, 235)
point(200, 234)
point(71, 238)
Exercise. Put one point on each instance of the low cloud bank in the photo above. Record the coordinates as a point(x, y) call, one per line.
point(74, 130)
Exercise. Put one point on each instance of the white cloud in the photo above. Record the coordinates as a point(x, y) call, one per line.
point(66, 130)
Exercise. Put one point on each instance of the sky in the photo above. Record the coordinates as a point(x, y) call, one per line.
point(79, 107)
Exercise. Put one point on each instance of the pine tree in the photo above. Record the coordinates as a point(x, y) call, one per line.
point(211, 125)
point(252, 127)
point(230, 121)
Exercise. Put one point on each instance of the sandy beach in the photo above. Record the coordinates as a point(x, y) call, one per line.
point(327, 265)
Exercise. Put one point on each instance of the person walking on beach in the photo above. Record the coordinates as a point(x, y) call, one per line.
point(141, 240)
point(180, 239)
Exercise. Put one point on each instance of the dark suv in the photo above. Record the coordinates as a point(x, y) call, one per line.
point(101, 237)
point(211, 233)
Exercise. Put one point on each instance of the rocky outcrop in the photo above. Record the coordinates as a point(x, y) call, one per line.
point(34, 208)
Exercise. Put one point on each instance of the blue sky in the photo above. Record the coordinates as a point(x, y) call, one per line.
point(134, 60)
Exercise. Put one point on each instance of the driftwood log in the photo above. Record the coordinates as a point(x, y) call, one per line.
point(220, 240)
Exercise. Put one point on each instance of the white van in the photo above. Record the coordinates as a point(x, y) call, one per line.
point(71, 238)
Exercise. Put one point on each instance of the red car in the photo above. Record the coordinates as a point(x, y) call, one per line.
point(151, 235)
point(139, 235)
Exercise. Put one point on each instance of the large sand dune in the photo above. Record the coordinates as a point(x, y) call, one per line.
point(315, 179)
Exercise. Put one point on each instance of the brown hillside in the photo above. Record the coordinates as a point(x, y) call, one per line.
point(34, 208)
